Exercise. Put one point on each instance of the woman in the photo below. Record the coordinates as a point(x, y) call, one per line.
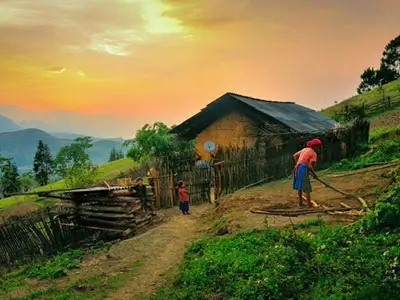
point(304, 165)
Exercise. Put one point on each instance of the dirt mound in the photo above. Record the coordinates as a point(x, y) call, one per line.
point(19, 209)
point(387, 119)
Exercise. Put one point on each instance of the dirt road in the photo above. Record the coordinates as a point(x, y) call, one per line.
point(158, 251)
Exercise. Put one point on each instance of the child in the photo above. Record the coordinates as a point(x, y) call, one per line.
point(183, 198)
point(304, 165)
point(140, 189)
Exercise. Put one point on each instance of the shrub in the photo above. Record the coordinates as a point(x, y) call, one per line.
point(338, 263)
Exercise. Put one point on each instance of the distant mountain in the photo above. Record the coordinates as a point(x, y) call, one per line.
point(21, 146)
point(7, 125)
point(72, 136)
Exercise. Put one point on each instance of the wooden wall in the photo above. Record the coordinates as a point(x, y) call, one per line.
point(233, 130)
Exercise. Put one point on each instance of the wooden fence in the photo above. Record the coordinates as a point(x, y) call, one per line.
point(269, 159)
point(38, 234)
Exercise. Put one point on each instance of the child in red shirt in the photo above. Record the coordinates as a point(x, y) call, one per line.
point(183, 198)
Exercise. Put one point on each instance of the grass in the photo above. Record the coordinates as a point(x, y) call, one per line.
point(380, 133)
point(106, 172)
point(392, 90)
point(384, 146)
point(337, 263)
point(47, 276)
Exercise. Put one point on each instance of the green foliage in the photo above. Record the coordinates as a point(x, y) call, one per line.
point(369, 80)
point(156, 141)
point(383, 151)
point(43, 164)
point(9, 182)
point(309, 223)
point(27, 181)
point(74, 165)
point(338, 263)
point(389, 69)
point(56, 267)
point(115, 155)
point(381, 133)
point(391, 57)
point(386, 215)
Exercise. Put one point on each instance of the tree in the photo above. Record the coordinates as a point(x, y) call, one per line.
point(27, 181)
point(43, 164)
point(9, 182)
point(391, 57)
point(369, 80)
point(156, 141)
point(121, 154)
point(74, 165)
point(389, 69)
point(113, 155)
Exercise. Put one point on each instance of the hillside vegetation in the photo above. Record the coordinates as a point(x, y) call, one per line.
point(370, 99)
point(108, 171)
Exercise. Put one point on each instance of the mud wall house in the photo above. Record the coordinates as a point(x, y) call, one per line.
point(234, 120)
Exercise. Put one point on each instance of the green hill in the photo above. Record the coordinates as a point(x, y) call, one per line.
point(21, 145)
point(373, 105)
point(107, 172)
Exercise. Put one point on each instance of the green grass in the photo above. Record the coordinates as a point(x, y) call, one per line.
point(106, 172)
point(48, 274)
point(392, 90)
point(385, 149)
point(380, 133)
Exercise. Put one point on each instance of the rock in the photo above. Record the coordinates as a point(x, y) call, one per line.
point(222, 230)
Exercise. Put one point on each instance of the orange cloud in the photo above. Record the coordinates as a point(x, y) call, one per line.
point(165, 59)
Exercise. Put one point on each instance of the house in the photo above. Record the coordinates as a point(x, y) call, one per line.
point(236, 120)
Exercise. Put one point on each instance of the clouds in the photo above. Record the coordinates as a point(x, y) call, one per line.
point(165, 59)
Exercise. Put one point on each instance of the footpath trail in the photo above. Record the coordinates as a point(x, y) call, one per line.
point(158, 251)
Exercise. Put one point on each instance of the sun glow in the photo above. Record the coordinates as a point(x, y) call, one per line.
point(153, 13)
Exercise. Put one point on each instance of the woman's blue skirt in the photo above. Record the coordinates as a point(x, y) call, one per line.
point(301, 179)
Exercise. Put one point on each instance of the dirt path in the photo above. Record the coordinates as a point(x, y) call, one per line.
point(158, 251)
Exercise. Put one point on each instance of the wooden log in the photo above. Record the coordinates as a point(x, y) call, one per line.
point(105, 215)
point(298, 212)
point(124, 193)
point(97, 228)
point(361, 200)
point(139, 221)
point(345, 205)
point(116, 209)
point(107, 222)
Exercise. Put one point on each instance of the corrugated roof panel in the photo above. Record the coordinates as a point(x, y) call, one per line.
point(297, 117)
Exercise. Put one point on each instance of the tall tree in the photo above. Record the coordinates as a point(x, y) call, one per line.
point(391, 57)
point(113, 155)
point(389, 69)
point(74, 165)
point(43, 164)
point(369, 80)
point(156, 141)
point(9, 182)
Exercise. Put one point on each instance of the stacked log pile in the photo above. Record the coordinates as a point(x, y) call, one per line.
point(115, 210)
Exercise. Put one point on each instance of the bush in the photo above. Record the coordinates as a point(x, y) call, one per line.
point(338, 263)
point(384, 151)
point(56, 267)
point(386, 215)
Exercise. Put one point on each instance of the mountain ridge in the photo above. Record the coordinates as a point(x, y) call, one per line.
point(21, 145)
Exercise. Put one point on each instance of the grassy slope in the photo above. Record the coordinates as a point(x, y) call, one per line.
point(107, 171)
point(391, 89)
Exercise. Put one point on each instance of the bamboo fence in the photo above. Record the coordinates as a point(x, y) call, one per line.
point(269, 159)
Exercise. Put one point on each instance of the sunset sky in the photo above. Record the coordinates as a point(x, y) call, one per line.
point(106, 67)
